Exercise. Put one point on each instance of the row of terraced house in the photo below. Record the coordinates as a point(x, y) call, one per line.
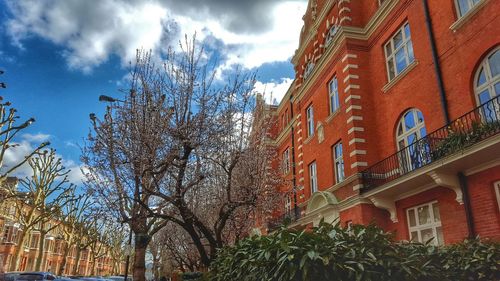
point(394, 118)
point(53, 249)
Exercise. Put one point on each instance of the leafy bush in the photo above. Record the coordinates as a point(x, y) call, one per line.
point(472, 260)
point(194, 276)
point(330, 252)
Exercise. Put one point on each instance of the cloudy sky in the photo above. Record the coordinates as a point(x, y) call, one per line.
point(60, 55)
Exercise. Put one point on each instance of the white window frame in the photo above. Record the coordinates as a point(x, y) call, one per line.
point(490, 82)
point(418, 228)
point(288, 204)
point(313, 177)
point(392, 56)
point(286, 161)
point(470, 6)
point(308, 69)
point(310, 120)
point(333, 94)
point(338, 161)
point(332, 31)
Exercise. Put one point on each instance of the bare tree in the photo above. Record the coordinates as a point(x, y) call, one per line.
point(76, 214)
point(9, 128)
point(180, 149)
point(44, 194)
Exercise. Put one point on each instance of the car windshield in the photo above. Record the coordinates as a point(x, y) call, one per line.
point(30, 277)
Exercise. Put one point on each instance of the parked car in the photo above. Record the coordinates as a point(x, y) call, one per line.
point(11, 276)
point(119, 278)
point(35, 276)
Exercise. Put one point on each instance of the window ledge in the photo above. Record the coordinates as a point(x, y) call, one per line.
point(462, 20)
point(394, 81)
point(332, 115)
point(308, 140)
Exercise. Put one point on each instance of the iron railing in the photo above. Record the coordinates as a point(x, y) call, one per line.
point(472, 127)
point(284, 219)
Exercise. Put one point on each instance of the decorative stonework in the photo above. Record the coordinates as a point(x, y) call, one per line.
point(321, 133)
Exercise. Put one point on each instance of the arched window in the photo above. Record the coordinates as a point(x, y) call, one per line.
point(487, 80)
point(331, 33)
point(411, 128)
point(308, 69)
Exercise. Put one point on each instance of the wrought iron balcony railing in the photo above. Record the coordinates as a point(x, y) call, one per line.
point(284, 219)
point(472, 127)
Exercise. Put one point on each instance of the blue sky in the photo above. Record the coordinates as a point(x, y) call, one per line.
point(59, 56)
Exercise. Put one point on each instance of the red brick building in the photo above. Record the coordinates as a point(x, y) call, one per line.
point(394, 117)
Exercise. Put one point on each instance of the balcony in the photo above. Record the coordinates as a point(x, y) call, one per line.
point(284, 219)
point(439, 148)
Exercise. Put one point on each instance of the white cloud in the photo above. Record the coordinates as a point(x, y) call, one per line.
point(19, 150)
point(273, 92)
point(92, 31)
point(36, 137)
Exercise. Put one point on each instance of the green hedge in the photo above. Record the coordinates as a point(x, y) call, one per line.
point(330, 252)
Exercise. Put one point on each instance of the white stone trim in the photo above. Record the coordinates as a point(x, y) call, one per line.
point(357, 140)
point(299, 139)
point(354, 117)
point(301, 171)
point(351, 107)
point(349, 97)
point(351, 76)
point(359, 164)
point(355, 129)
point(353, 56)
point(351, 86)
point(357, 152)
point(345, 19)
point(354, 66)
point(344, 9)
point(357, 187)
point(299, 147)
point(300, 154)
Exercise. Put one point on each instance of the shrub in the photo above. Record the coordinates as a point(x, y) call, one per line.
point(330, 252)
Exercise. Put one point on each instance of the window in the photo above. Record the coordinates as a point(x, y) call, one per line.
point(286, 161)
point(399, 52)
point(313, 177)
point(288, 204)
point(334, 95)
point(338, 161)
point(34, 241)
point(464, 6)
point(331, 33)
point(424, 223)
point(308, 69)
point(411, 128)
point(487, 82)
point(310, 121)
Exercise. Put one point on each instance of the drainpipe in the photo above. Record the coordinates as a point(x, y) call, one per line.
point(437, 66)
point(294, 180)
point(468, 210)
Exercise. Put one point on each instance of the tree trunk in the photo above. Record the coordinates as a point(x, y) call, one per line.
point(141, 245)
point(76, 267)
point(41, 252)
point(64, 261)
point(94, 263)
point(155, 266)
point(16, 258)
